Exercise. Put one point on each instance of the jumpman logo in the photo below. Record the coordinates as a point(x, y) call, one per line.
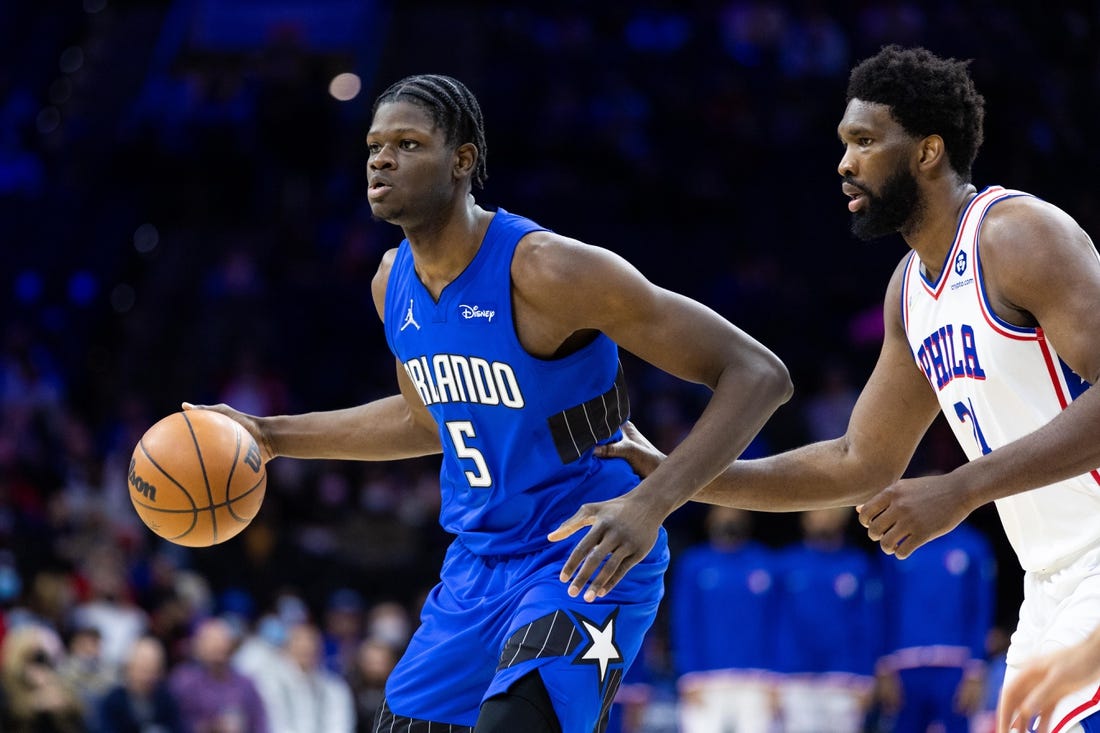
point(409, 319)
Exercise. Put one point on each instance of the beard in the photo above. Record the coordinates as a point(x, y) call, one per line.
point(895, 207)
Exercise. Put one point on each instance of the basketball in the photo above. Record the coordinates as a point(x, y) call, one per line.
point(196, 478)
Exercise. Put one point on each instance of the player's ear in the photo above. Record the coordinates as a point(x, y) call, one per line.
point(465, 159)
point(931, 152)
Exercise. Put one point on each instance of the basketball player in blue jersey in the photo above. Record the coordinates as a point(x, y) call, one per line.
point(506, 338)
point(992, 318)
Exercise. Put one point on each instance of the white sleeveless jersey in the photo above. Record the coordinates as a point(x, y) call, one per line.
point(997, 382)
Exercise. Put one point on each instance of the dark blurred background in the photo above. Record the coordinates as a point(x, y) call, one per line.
point(182, 217)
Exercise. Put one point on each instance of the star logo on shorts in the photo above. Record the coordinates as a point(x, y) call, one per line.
point(601, 647)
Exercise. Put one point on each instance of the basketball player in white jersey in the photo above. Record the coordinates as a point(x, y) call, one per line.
point(993, 317)
point(1045, 680)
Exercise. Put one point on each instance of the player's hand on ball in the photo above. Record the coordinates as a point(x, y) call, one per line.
point(249, 422)
point(635, 449)
point(196, 478)
point(622, 533)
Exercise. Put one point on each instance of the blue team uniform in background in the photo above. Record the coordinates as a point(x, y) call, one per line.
point(828, 635)
point(723, 608)
point(829, 611)
point(517, 434)
point(938, 610)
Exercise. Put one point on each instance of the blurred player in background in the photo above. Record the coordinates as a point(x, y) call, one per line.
point(992, 319)
point(828, 626)
point(723, 607)
point(506, 337)
point(938, 613)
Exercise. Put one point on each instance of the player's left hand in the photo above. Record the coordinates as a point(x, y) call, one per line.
point(911, 512)
point(635, 449)
point(1028, 700)
point(622, 533)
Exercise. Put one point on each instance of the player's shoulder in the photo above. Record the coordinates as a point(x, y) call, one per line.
point(897, 280)
point(543, 246)
point(900, 268)
point(546, 259)
point(382, 276)
point(1027, 240)
point(384, 267)
point(1017, 220)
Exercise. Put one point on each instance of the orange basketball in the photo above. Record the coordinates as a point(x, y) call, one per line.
point(196, 478)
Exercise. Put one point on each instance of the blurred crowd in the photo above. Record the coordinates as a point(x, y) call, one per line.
point(184, 218)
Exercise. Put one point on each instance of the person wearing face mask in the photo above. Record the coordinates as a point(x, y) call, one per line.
point(722, 603)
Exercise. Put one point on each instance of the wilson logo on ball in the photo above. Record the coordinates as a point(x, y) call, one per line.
point(252, 457)
point(140, 485)
point(209, 473)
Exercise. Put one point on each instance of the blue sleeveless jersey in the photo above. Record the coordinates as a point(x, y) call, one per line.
point(517, 431)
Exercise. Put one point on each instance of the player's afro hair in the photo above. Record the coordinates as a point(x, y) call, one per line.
point(452, 106)
point(927, 95)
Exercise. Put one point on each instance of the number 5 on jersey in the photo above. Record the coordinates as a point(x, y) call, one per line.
point(461, 431)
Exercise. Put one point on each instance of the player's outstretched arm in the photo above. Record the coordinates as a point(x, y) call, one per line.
point(394, 427)
point(385, 429)
point(1044, 681)
point(675, 334)
point(382, 430)
point(893, 412)
point(1040, 269)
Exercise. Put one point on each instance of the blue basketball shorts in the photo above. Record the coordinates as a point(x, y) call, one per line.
point(491, 620)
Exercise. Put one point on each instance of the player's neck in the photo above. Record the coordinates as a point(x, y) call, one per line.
point(443, 248)
point(933, 235)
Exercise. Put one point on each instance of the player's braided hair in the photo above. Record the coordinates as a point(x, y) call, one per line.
point(927, 95)
point(452, 106)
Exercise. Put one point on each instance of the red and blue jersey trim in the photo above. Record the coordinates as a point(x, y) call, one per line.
point(1060, 377)
point(905, 291)
point(1079, 713)
point(1004, 328)
point(935, 288)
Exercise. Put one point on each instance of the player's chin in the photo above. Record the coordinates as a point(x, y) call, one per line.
point(385, 211)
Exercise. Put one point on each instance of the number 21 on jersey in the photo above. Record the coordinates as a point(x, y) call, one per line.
point(965, 411)
point(461, 432)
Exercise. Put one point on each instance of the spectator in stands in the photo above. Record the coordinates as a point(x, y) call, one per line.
point(142, 702)
point(374, 660)
point(343, 631)
point(213, 697)
point(84, 670)
point(35, 697)
point(110, 607)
